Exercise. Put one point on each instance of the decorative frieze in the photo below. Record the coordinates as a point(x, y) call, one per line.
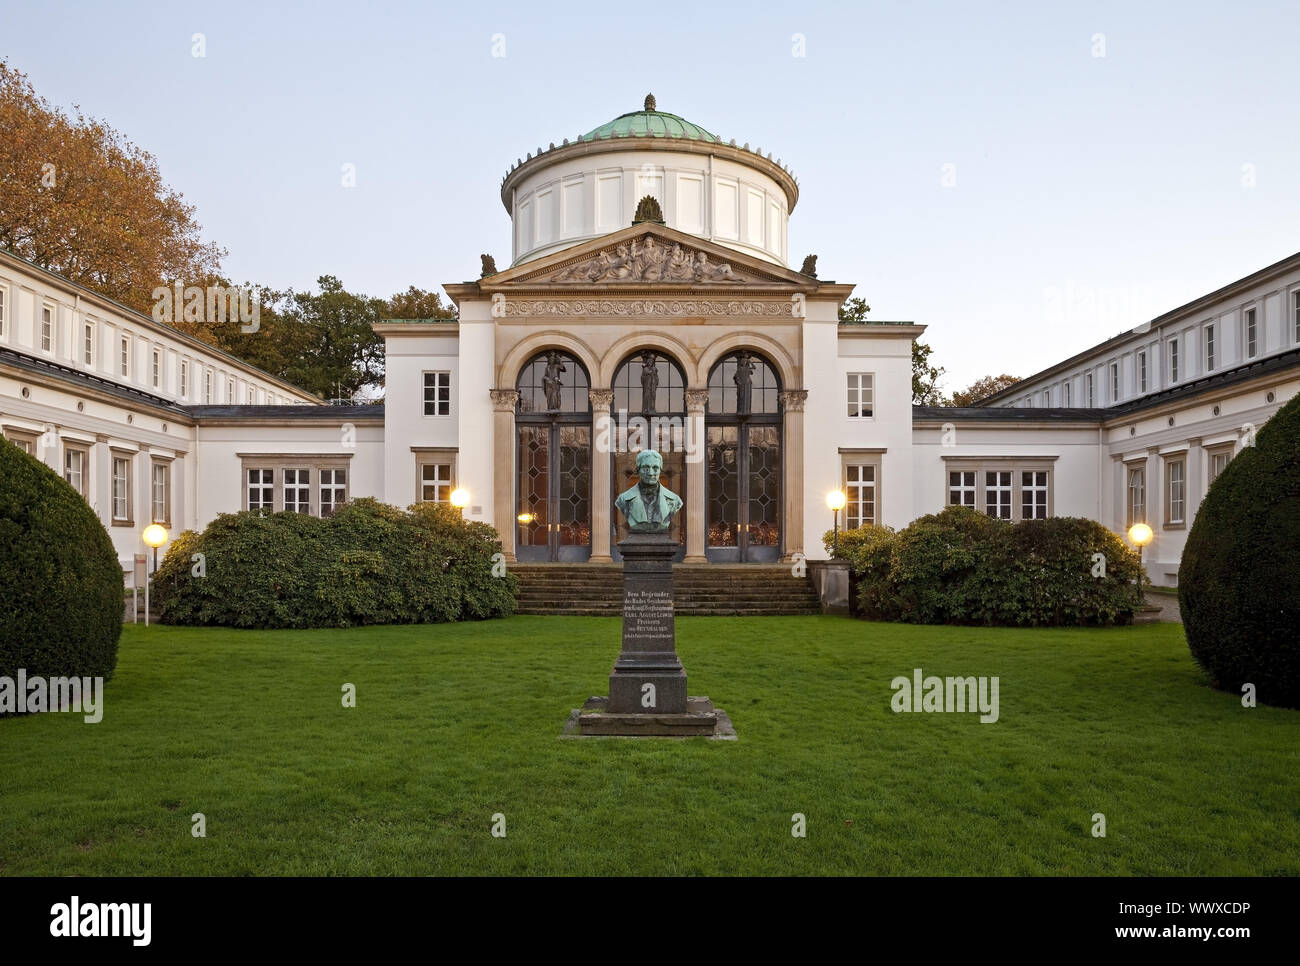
point(648, 259)
point(647, 308)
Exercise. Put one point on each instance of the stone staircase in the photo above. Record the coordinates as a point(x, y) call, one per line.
point(699, 590)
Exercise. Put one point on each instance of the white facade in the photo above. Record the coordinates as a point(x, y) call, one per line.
point(512, 401)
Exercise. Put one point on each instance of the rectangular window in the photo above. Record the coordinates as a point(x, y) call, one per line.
point(1177, 491)
point(1252, 334)
point(297, 491)
point(47, 328)
point(333, 491)
point(24, 441)
point(1033, 495)
point(1088, 393)
point(1173, 360)
point(160, 502)
point(261, 489)
point(1114, 382)
point(1209, 348)
point(1047, 398)
point(251, 390)
point(126, 357)
point(207, 386)
point(3, 294)
point(74, 467)
point(1219, 461)
point(961, 488)
point(997, 494)
point(437, 394)
point(157, 367)
point(1295, 313)
point(1137, 495)
point(185, 378)
point(230, 390)
point(1142, 371)
point(88, 344)
point(435, 482)
point(121, 489)
point(861, 385)
point(860, 491)
point(1065, 393)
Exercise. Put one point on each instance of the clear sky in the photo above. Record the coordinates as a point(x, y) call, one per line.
point(1091, 192)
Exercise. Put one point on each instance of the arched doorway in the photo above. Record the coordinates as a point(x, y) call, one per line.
point(553, 485)
point(648, 411)
point(743, 450)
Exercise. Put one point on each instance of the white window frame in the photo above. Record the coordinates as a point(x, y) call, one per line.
point(1210, 347)
point(4, 305)
point(160, 492)
point(962, 486)
point(861, 488)
point(995, 490)
point(45, 337)
point(441, 381)
point(1250, 332)
point(861, 389)
point(263, 483)
point(1135, 490)
point(293, 481)
point(1089, 386)
point(1295, 315)
point(433, 462)
point(120, 499)
point(124, 358)
point(1037, 494)
point(88, 343)
point(1176, 491)
point(333, 487)
point(157, 367)
point(1066, 393)
point(1114, 381)
point(1047, 398)
point(1142, 371)
point(185, 378)
point(82, 451)
point(207, 387)
point(1173, 360)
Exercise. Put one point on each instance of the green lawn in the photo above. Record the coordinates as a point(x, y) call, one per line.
point(455, 723)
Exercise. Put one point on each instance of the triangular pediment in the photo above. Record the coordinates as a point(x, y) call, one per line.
point(644, 255)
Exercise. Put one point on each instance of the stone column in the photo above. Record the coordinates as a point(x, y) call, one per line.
point(601, 500)
point(503, 461)
point(792, 402)
point(696, 482)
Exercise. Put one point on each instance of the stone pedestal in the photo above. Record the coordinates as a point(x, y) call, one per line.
point(647, 687)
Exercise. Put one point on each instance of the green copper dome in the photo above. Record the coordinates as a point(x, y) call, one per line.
point(649, 123)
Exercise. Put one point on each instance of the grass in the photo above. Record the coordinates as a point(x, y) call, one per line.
point(456, 723)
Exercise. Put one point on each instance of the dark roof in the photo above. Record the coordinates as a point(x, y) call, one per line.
point(1252, 370)
point(286, 412)
point(1008, 414)
point(35, 364)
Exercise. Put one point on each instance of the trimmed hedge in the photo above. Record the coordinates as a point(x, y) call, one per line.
point(1239, 580)
point(960, 566)
point(370, 563)
point(63, 604)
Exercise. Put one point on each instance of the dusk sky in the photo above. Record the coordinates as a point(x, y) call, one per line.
point(1111, 160)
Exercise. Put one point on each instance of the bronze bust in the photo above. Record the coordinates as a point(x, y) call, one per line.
point(648, 507)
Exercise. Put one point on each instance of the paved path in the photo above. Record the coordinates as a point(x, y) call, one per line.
point(1168, 604)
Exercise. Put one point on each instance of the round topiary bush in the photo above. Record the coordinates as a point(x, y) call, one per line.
point(1239, 581)
point(63, 590)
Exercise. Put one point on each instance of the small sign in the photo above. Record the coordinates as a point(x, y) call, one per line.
point(141, 569)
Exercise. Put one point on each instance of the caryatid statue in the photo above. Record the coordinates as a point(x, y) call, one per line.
point(551, 380)
point(649, 506)
point(649, 381)
point(744, 379)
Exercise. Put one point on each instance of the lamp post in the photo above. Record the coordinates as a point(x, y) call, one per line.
point(155, 535)
point(460, 499)
point(835, 500)
point(1140, 535)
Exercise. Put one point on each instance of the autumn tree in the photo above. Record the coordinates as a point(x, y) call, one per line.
point(416, 303)
point(78, 199)
point(981, 388)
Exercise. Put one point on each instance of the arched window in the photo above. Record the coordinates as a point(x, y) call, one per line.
point(553, 382)
point(744, 383)
point(649, 376)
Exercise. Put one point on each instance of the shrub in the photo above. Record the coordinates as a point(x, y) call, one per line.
point(1239, 581)
point(62, 613)
point(369, 563)
point(960, 566)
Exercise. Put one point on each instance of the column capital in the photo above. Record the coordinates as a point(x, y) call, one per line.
point(793, 399)
point(504, 400)
point(601, 399)
point(696, 400)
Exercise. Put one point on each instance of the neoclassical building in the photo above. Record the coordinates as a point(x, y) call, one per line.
point(649, 300)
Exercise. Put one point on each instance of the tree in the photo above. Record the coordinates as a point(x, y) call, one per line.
point(981, 388)
point(416, 303)
point(78, 199)
point(854, 310)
